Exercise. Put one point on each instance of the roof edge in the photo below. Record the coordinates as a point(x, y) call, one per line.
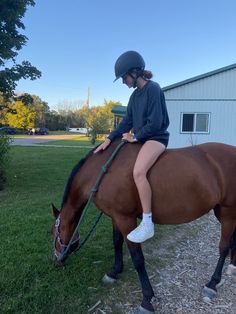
point(199, 77)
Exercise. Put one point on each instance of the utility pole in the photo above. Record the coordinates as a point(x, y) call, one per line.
point(88, 97)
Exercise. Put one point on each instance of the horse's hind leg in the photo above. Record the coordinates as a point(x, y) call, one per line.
point(232, 266)
point(117, 268)
point(227, 229)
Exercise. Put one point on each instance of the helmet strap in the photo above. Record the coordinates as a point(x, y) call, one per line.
point(135, 78)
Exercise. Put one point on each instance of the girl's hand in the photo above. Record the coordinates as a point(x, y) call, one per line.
point(103, 146)
point(129, 137)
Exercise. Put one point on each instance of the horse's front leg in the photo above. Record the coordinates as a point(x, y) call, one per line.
point(138, 261)
point(117, 268)
point(125, 225)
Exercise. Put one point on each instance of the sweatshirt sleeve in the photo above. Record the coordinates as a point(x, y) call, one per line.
point(125, 125)
point(154, 114)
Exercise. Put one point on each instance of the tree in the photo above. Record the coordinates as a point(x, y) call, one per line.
point(24, 118)
point(27, 99)
point(54, 121)
point(5, 108)
point(41, 108)
point(11, 41)
point(106, 109)
point(68, 110)
point(99, 119)
point(35, 103)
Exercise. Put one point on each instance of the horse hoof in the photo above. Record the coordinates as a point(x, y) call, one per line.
point(58, 263)
point(142, 310)
point(231, 270)
point(208, 294)
point(106, 280)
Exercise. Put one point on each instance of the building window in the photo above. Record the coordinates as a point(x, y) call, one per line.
point(195, 122)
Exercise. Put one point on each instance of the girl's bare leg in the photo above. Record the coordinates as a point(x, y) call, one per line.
point(147, 156)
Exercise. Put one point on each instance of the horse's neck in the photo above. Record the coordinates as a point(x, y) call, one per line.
point(72, 211)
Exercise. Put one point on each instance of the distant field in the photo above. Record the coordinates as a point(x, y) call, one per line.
point(81, 140)
point(78, 140)
point(69, 142)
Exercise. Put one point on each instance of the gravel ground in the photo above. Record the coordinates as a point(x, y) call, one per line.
point(177, 287)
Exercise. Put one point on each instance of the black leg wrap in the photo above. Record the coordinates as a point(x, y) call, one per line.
point(233, 249)
point(146, 304)
point(138, 261)
point(216, 277)
point(118, 241)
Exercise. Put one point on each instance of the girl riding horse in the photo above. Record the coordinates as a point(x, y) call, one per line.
point(148, 117)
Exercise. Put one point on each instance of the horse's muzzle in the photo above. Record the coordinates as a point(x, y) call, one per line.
point(58, 263)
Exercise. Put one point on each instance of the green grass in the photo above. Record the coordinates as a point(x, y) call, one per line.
point(29, 282)
point(20, 136)
point(80, 140)
point(59, 132)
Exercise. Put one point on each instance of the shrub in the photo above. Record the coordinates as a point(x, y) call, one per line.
point(4, 157)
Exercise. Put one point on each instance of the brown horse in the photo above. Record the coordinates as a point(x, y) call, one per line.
point(186, 183)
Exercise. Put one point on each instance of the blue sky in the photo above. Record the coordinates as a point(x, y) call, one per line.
point(75, 44)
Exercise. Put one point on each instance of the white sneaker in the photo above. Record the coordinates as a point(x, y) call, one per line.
point(141, 233)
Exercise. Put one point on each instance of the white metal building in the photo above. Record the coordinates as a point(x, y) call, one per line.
point(203, 108)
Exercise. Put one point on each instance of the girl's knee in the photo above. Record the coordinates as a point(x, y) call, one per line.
point(138, 174)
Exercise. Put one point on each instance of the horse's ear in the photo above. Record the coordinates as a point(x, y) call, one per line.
point(55, 211)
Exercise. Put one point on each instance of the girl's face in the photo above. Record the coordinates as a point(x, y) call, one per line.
point(128, 80)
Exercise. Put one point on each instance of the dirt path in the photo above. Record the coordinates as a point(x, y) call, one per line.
point(191, 256)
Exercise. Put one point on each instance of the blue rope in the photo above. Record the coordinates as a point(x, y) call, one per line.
point(89, 233)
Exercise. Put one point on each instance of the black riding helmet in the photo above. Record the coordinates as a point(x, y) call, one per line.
point(126, 62)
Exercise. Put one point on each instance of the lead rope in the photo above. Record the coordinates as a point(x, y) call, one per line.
point(92, 192)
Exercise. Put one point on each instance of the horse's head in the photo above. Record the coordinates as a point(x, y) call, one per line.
point(64, 245)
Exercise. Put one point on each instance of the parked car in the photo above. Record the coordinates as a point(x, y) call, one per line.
point(38, 131)
point(7, 130)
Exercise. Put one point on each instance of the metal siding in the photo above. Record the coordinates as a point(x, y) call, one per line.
point(221, 85)
point(215, 94)
point(222, 122)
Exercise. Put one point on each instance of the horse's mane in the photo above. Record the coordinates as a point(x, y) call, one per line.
point(73, 173)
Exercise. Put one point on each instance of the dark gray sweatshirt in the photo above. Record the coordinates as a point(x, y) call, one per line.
point(146, 114)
